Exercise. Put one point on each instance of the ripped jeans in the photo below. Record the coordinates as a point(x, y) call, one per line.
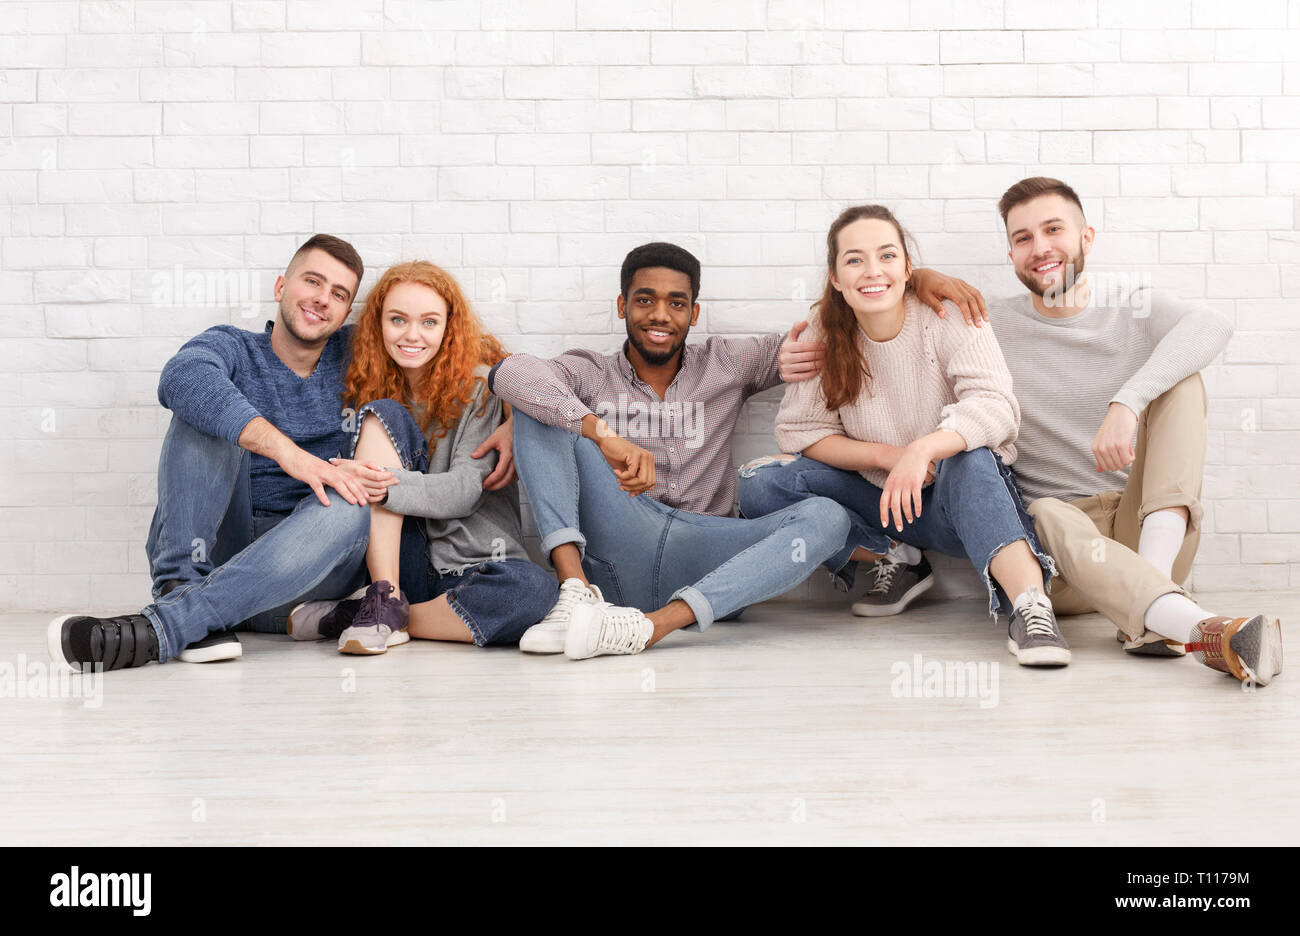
point(972, 509)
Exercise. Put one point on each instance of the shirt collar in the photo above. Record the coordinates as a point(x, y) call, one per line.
point(690, 355)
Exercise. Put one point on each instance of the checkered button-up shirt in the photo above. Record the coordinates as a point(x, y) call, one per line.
point(688, 431)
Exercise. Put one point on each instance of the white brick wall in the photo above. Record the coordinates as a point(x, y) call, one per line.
point(527, 144)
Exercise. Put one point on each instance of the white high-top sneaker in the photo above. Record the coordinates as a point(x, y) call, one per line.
point(547, 635)
point(597, 629)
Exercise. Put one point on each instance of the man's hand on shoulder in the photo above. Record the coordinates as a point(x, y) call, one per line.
point(932, 287)
point(1113, 444)
point(800, 360)
point(501, 441)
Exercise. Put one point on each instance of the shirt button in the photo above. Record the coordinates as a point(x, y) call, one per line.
point(672, 451)
point(673, 485)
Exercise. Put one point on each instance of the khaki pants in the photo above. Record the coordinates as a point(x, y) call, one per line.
point(1094, 540)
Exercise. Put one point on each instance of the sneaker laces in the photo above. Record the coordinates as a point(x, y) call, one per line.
point(368, 613)
point(886, 568)
point(622, 631)
point(570, 597)
point(1038, 620)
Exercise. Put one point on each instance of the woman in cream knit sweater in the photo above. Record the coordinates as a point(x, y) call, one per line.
point(910, 426)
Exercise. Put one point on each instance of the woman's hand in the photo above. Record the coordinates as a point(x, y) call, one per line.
point(901, 496)
point(374, 479)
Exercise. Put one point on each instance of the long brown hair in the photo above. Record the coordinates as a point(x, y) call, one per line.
point(448, 388)
point(844, 370)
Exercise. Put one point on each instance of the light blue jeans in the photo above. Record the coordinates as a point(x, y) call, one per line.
point(972, 509)
point(241, 568)
point(644, 554)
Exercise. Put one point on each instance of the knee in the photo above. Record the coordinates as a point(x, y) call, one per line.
point(342, 525)
point(1048, 514)
point(828, 521)
point(394, 415)
point(533, 434)
point(761, 488)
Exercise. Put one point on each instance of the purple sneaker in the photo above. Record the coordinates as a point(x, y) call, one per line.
point(380, 622)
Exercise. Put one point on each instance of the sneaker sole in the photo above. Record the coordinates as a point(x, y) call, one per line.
point(304, 629)
point(544, 644)
point(576, 641)
point(54, 642)
point(357, 647)
point(1040, 656)
point(1259, 642)
point(226, 651)
point(862, 609)
point(1162, 649)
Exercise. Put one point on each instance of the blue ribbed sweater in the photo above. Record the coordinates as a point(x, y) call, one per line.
point(224, 377)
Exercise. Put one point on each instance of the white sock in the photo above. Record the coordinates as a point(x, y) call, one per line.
point(901, 552)
point(1032, 593)
point(1161, 539)
point(1173, 616)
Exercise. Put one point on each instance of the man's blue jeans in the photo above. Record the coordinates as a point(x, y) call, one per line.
point(644, 554)
point(972, 509)
point(240, 566)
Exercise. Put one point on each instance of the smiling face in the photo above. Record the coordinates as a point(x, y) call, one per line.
point(1049, 240)
point(412, 325)
point(659, 313)
point(315, 296)
point(871, 266)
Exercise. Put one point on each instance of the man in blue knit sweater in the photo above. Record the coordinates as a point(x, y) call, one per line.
point(252, 517)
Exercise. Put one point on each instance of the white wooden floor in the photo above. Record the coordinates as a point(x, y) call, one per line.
point(785, 728)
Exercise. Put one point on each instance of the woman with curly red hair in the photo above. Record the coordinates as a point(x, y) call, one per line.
point(417, 380)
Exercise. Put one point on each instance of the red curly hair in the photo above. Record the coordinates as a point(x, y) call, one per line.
point(449, 386)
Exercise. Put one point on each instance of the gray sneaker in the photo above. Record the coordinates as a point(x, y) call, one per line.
point(380, 622)
point(896, 586)
point(1033, 635)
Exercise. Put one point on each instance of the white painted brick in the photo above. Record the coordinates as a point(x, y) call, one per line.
point(1239, 246)
point(1072, 45)
point(471, 183)
point(280, 84)
point(361, 84)
point(105, 16)
point(1021, 114)
point(666, 182)
point(17, 85)
point(1067, 146)
point(198, 49)
point(844, 81)
point(713, 148)
point(543, 81)
point(1162, 14)
point(1269, 145)
point(1239, 213)
point(1243, 281)
point(555, 217)
point(504, 48)
point(182, 16)
point(1126, 77)
point(955, 14)
point(1284, 516)
point(90, 84)
point(734, 81)
point(181, 119)
point(1184, 112)
point(775, 182)
point(642, 216)
point(883, 114)
point(412, 48)
point(892, 47)
point(257, 15)
point(660, 81)
point(39, 119)
point(1140, 146)
point(975, 46)
point(805, 114)
point(1248, 13)
point(354, 14)
point(1151, 214)
point(1235, 78)
point(208, 152)
point(85, 185)
point(602, 182)
point(643, 149)
point(843, 147)
point(791, 47)
point(1235, 112)
point(1277, 547)
point(389, 184)
point(720, 14)
point(607, 48)
point(677, 115)
point(646, 14)
point(764, 148)
point(914, 80)
point(187, 84)
point(952, 114)
point(1219, 180)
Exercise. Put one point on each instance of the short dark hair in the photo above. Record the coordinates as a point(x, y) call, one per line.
point(1029, 189)
point(337, 248)
point(660, 254)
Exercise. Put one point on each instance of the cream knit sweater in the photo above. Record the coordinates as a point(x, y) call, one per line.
point(934, 374)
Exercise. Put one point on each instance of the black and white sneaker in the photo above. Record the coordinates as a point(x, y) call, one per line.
point(84, 643)
point(896, 586)
point(1033, 635)
point(223, 645)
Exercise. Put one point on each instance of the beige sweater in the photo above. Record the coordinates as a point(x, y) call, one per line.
point(934, 374)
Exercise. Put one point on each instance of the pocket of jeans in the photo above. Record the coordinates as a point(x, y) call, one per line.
point(604, 577)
